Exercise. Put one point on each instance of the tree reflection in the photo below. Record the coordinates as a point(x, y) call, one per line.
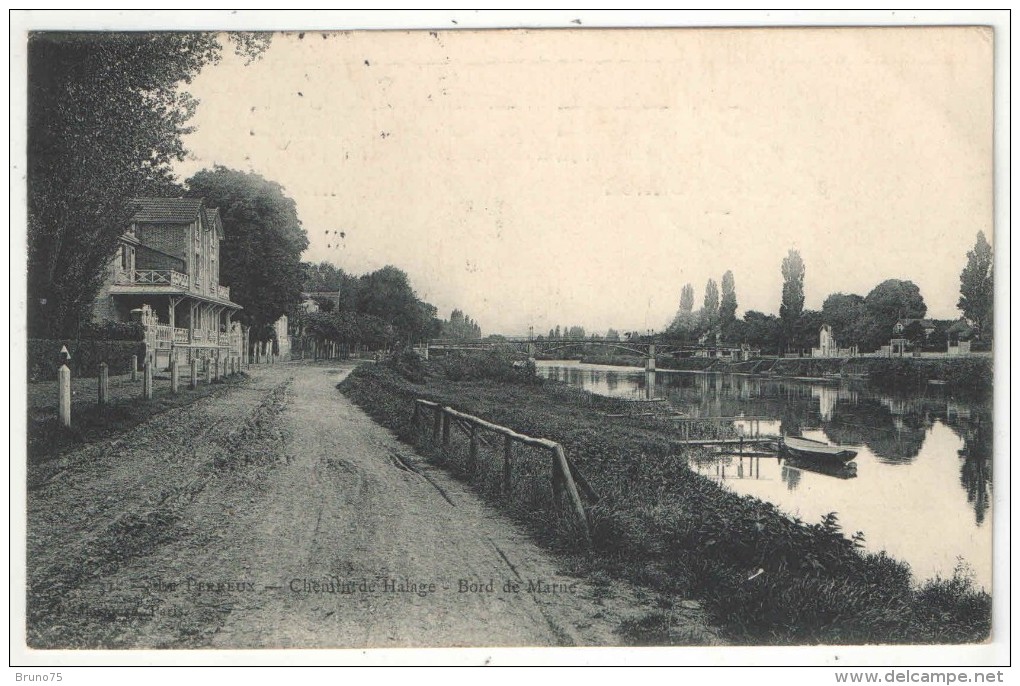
point(976, 469)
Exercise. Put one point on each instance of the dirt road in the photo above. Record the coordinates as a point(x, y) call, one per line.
point(279, 515)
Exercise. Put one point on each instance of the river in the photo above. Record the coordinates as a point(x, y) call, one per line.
point(923, 484)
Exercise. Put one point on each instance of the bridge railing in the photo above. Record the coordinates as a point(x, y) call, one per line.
point(512, 471)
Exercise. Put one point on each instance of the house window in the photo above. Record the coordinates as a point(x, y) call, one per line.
point(123, 258)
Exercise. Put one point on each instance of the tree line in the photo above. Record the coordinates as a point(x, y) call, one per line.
point(866, 322)
point(379, 309)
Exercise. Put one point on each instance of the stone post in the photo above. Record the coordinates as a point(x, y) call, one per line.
point(147, 380)
point(194, 373)
point(174, 381)
point(64, 391)
point(104, 383)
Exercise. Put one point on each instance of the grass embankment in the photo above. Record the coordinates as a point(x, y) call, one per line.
point(660, 524)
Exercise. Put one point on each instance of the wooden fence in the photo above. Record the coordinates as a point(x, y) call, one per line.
point(565, 478)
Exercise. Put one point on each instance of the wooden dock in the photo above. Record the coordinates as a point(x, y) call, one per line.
point(748, 441)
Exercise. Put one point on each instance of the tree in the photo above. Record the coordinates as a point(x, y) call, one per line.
point(728, 305)
point(262, 246)
point(709, 318)
point(977, 293)
point(793, 293)
point(914, 332)
point(323, 277)
point(461, 327)
point(888, 302)
point(687, 298)
point(806, 330)
point(763, 331)
point(106, 116)
point(845, 314)
point(387, 294)
point(612, 335)
point(684, 323)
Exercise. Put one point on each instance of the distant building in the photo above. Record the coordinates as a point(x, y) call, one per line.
point(165, 275)
point(827, 345)
point(901, 325)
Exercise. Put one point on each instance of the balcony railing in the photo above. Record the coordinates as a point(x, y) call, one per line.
point(161, 336)
point(170, 277)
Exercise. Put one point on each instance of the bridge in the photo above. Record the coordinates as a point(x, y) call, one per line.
point(645, 346)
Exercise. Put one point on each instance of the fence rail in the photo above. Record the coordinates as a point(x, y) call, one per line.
point(566, 479)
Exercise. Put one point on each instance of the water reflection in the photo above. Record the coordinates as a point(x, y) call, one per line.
point(922, 459)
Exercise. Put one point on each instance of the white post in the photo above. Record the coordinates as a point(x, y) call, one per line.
point(147, 380)
point(64, 388)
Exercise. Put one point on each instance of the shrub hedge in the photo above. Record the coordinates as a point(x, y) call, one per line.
point(44, 357)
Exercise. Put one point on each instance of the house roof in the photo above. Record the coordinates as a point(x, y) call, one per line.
point(211, 219)
point(167, 210)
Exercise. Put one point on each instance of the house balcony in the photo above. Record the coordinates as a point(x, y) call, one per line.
point(162, 336)
point(171, 280)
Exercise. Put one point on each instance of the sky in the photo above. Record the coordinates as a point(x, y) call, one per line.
point(582, 177)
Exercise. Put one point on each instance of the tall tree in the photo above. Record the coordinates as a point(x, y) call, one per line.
point(976, 287)
point(687, 298)
point(710, 309)
point(262, 246)
point(793, 293)
point(889, 301)
point(728, 305)
point(684, 323)
point(106, 116)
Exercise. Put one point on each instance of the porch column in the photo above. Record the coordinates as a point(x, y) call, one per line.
point(172, 313)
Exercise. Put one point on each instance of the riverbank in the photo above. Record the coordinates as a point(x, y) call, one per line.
point(970, 376)
point(659, 524)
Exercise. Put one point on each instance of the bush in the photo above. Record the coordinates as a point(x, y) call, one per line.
point(107, 330)
point(408, 364)
point(486, 366)
point(44, 357)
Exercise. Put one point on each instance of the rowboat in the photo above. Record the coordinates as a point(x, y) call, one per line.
point(823, 453)
point(834, 469)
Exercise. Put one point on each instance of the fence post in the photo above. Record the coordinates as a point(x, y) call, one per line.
point(208, 370)
point(174, 380)
point(446, 427)
point(147, 380)
point(555, 478)
point(134, 367)
point(216, 367)
point(473, 452)
point(194, 373)
point(437, 421)
point(64, 390)
point(508, 454)
point(575, 497)
point(104, 383)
